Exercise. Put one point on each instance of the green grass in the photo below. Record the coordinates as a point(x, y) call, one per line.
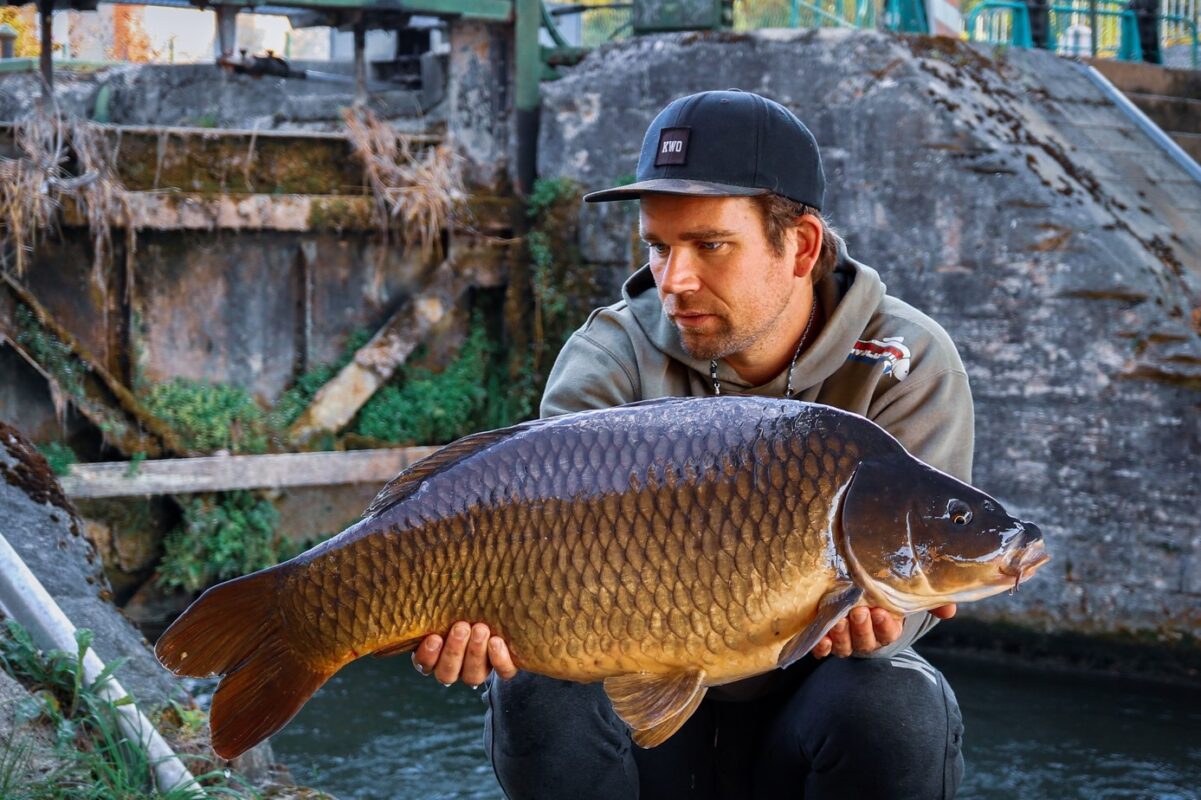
point(222, 536)
point(59, 456)
point(91, 758)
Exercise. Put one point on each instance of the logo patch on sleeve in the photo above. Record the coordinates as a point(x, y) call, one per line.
point(673, 147)
point(891, 350)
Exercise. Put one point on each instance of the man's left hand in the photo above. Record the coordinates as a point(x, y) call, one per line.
point(866, 630)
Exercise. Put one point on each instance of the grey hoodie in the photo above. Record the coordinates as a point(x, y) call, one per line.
point(875, 355)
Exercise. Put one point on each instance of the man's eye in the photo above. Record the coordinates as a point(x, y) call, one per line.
point(710, 246)
point(658, 248)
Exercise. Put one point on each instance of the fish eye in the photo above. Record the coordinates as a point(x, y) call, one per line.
point(959, 512)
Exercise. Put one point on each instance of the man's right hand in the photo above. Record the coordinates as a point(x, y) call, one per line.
point(468, 654)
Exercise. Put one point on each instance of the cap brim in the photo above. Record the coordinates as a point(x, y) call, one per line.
point(672, 186)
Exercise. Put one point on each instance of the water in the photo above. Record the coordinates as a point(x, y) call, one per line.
point(379, 730)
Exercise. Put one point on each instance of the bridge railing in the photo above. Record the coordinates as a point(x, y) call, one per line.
point(1073, 24)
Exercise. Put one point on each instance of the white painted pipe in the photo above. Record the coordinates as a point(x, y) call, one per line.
point(25, 600)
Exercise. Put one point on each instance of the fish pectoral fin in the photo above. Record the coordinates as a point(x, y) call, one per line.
point(833, 605)
point(400, 647)
point(655, 706)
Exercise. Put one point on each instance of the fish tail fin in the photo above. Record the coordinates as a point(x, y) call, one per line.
point(236, 630)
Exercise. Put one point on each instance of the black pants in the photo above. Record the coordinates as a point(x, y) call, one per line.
point(836, 728)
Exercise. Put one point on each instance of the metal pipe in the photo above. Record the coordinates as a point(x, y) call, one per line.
point(46, 56)
point(528, 92)
point(1177, 154)
point(360, 63)
point(24, 599)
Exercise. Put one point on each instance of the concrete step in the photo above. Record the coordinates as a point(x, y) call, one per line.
point(1173, 114)
point(1189, 143)
point(1131, 76)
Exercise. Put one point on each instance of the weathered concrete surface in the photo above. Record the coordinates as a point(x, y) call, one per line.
point(1012, 202)
point(207, 96)
point(42, 526)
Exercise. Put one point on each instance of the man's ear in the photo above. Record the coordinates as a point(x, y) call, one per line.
point(808, 232)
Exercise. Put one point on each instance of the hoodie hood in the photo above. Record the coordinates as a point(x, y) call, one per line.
point(847, 296)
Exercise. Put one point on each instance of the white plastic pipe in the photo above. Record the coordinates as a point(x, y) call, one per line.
point(25, 600)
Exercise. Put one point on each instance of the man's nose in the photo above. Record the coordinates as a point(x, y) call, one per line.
point(679, 274)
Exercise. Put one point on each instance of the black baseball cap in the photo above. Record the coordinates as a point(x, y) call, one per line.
point(724, 144)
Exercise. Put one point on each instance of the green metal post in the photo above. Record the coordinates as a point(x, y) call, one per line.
point(1131, 48)
point(528, 97)
point(794, 14)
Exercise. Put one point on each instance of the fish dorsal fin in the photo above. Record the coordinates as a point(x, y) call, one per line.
point(411, 478)
point(842, 596)
point(655, 706)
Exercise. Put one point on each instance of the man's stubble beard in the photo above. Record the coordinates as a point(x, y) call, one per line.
point(714, 346)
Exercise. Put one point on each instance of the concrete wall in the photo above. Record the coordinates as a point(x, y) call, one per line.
point(1011, 201)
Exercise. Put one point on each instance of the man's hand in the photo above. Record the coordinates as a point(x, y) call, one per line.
point(469, 653)
point(866, 630)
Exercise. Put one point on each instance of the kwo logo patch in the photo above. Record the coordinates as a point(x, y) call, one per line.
point(673, 147)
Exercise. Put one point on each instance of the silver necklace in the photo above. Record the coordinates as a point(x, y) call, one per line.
point(791, 365)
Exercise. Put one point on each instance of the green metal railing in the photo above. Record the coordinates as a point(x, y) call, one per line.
point(594, 22)
point(1101, 28)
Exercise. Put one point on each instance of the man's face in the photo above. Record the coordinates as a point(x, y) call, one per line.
point(719, 281)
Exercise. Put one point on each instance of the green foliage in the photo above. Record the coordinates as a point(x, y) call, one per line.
point(93, 758)
point(59, 456)
point(135, 464)
point(549, 193)
point(53, 354)
point(426, 407)
point(209, 416)
point(222, 536)
point(564, 288)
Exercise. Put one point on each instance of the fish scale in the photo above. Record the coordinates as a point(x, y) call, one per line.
point(663, 547)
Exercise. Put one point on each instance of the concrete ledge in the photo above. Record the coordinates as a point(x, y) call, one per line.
point(226, 473)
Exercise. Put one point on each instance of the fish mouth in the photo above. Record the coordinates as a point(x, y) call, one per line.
point(1028, 555)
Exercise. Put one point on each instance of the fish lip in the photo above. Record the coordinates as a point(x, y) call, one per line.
point(1025, 560)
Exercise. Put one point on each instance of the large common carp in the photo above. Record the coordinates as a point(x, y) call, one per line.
point(662, 547)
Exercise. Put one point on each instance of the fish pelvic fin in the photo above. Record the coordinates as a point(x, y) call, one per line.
point(656, 706)
point(236, 630)
point(843, 595)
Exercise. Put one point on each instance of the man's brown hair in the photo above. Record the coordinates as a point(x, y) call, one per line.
point(780, 215)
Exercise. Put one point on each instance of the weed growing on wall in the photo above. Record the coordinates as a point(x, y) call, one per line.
point(53, 354)
point(66, 719)
point(222, 536)
point(59, 456)
point(210, 416)
point(563, 288)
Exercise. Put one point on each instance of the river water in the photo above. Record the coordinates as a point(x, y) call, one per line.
point(379, 730)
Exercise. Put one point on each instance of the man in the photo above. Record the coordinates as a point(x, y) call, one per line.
point(747, 290)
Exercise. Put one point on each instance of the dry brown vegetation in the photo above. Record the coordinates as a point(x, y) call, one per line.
point(417, 192)
point(62, 160)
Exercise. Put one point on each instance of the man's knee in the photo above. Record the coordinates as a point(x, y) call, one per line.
point(548, 738)
point(885, 727)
